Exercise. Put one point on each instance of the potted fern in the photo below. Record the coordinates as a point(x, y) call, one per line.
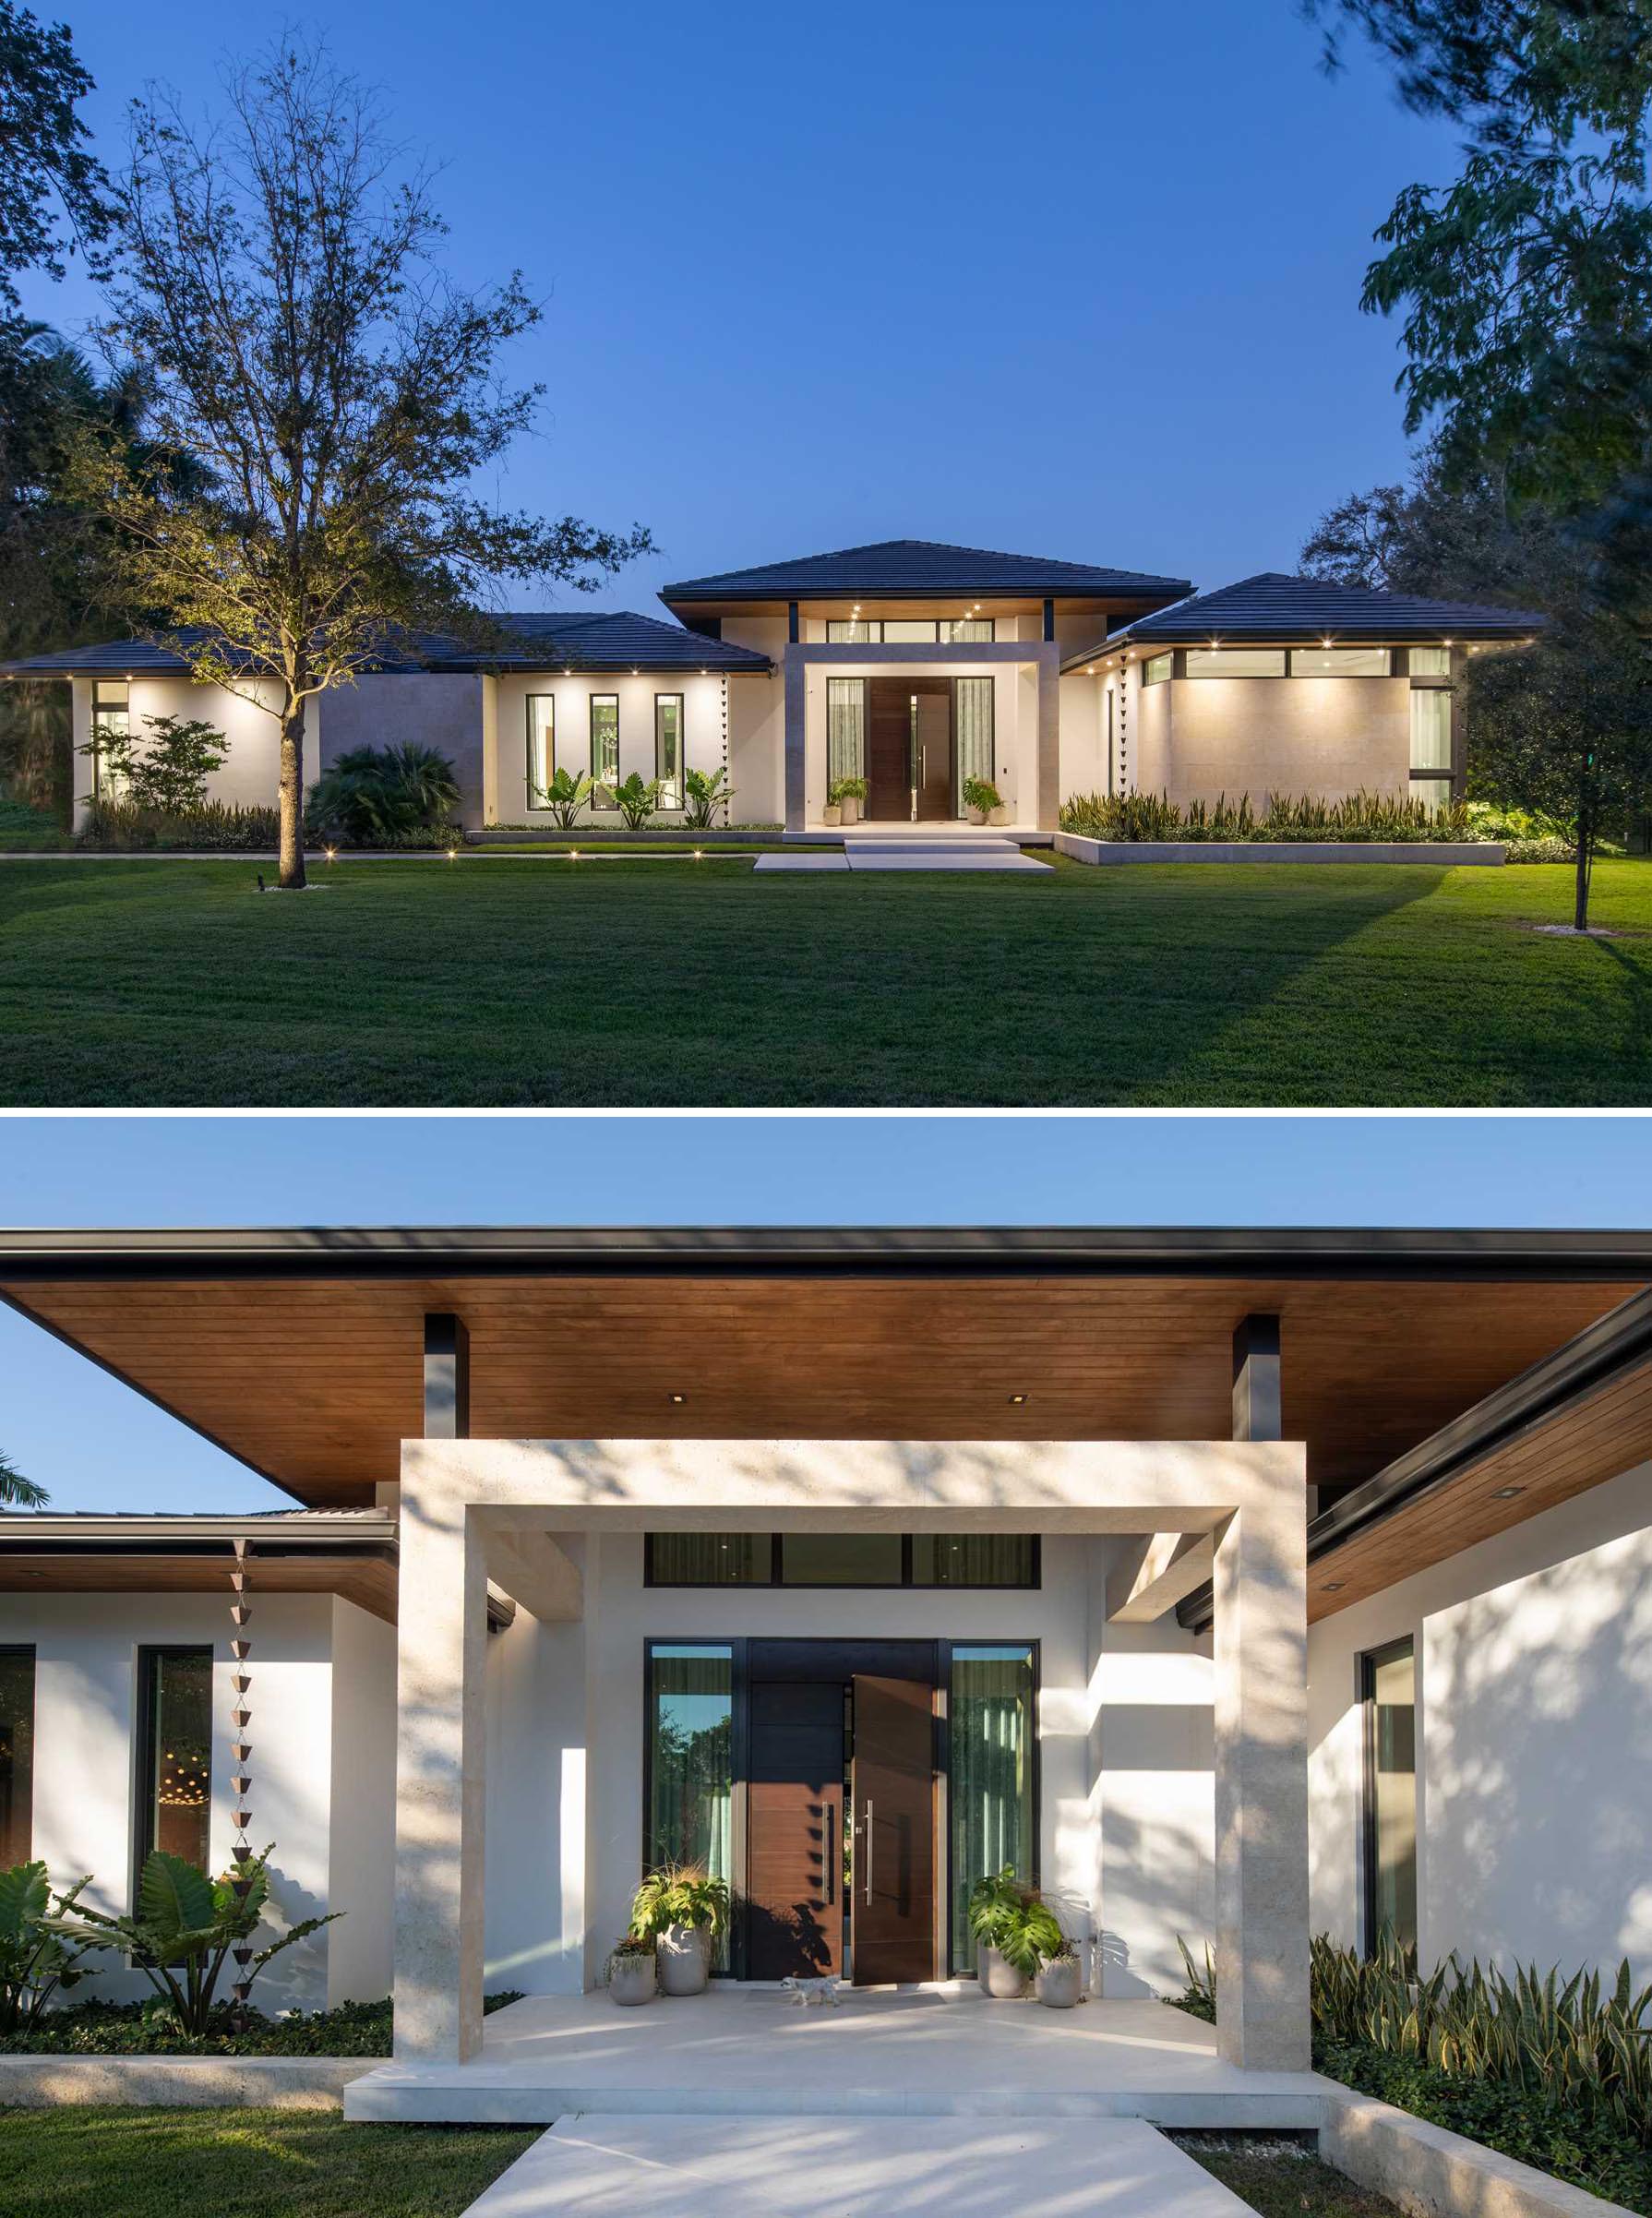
point(629, 1970)
point(1015, 1931)
point(847, 794)
point(681, 1910)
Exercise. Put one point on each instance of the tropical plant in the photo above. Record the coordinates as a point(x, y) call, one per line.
point(1015, 1920)
point(981, 795)
point(35, 1960)
point(679, 1894)
point(167, 769)
point(17, 1493)
point(565, 797)
point(846, 789)
point(1356, 816)
point(637, 800)
point(382, 796)
point(707, 793)
point(184, 1930)
point(628, 1946)
point(122, 827)
point(1200, 1997)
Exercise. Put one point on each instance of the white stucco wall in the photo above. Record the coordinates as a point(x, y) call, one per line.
point(251, 775)
point(1534, 1733)
point(331, 1848)
point(703, 729)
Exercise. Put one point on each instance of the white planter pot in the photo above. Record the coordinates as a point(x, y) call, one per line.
point(1059, 1984)
point(831, 814)
point(631, 1981)
point(851, 810)
point(977, 816)
point(1000, 815)
point(684, 1959)
point(999, 1977)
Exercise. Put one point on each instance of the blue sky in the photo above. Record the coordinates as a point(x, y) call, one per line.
point(96, 1446)
point(1079, 280)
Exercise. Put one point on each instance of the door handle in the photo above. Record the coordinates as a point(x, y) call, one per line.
point(831, 1848)
point(868, 1833)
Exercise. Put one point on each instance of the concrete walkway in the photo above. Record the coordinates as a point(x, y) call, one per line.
point(598, 2166)
point(917, 851)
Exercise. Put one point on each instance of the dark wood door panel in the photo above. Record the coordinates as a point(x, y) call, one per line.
point(889, 750)
point(894, 1830)
point(934, 744)
point(794, 1855)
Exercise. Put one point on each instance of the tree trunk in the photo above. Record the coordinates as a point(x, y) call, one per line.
point(1585, 849)
point(291, 796)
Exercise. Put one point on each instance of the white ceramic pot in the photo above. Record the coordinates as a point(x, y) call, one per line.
point(1000, 815)
point(851, 808)
point(999, 1977)
point(684, 1959)
point(1059, 1985)
point(631, 1981)
point(977, 816)
point(832, 813)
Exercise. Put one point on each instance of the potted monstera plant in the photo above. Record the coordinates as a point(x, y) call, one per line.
point(1015, 1930)
point(681, 1909)
point(983, 800)
point(846, 795)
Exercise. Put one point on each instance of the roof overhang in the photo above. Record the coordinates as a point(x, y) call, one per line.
point(299, 1352)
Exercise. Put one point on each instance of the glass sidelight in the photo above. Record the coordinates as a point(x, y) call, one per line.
point(990, 1741)
point(1388, 1690)
point(691, 1755)
point(175, 1753)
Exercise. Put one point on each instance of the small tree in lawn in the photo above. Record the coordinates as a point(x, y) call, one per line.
point(279, 288)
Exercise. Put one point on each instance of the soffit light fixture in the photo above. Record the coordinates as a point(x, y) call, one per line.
point(1017, 1400)
point(678, 1399)
point(1333, 1586)
point(1506, 1493)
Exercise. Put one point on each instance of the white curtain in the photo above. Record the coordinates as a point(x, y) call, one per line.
point(845, 728)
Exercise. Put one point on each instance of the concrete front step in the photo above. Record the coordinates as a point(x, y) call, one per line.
point(606, 2166)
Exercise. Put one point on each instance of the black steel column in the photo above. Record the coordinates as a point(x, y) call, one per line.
point(446, 1377)
point(1257, 1410)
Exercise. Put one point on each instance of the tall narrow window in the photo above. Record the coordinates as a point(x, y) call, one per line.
point(175, 1753)
point(604, 747)
point(1430, 743)
point(17, 1755)
point(690, 1758)
point(1389, 1686)
point(845, 728)
point(111, 716)
point(542, 746)
point(974, 730)
point(989, 1776)
point(668, 748)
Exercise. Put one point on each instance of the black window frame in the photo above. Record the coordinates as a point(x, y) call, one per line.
point(98, 685)
point(905, 1583)
point(597, 786)
point(1366, 1664)
point(873, 628)
point(1344, 647)
point(681, 699)
point(150, 1659)
point(11, 1649)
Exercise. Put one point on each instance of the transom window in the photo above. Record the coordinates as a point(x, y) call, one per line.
point(899, 632)
point(1157, 669)
point(1341, 662)
point(1431, 661)
point(841, 1559)
point(1235, 662)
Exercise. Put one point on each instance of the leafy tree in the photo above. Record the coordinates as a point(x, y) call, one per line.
point(17, 1493)
point(1564, 727)
point(1526, 291)
point(280, 288)
point(47, 176)
point(167, 769)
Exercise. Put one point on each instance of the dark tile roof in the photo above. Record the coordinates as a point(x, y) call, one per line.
point(914, 569)
point(1277, 607)
point(577, 638)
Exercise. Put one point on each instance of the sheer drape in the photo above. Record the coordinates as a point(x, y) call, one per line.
point(845, 728)
point(974, 729)
point(972, 1559)
point(710, 1559)
point(989, 1779)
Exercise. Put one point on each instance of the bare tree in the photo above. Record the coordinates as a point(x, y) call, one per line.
point(279, 288)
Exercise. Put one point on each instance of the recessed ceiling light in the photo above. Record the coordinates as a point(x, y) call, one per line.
point(1016, 1400)
point(1506, 1493)
point(1333, 1586)
point(680, 1397)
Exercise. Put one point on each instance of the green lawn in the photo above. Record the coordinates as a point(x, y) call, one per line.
point(506, 981)
point(242, 2163)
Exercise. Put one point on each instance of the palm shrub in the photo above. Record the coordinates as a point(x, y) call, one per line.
point(564, 797)
point(679, 1894)
point(637, 800)
point(36, 1960)
point(184, 1930)
point(384, 797)
point(1015, 1920)
point(707, 791)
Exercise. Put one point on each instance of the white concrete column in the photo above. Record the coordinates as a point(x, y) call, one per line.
point(440, 1763)
point(1260, 1646)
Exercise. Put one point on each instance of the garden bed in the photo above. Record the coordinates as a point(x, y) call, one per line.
point(1441, 855)
point(135, 2029)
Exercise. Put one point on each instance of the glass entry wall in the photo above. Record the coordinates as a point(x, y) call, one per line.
point(691, 1761)
point(991, 1743)
point(1388, 1690)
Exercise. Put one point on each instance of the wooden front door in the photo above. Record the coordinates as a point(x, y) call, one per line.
point(894, 1786)
point(795, 1857)
point(909, 748)
point(932, 747)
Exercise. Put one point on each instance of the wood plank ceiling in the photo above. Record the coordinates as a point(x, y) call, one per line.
point(315, 1382)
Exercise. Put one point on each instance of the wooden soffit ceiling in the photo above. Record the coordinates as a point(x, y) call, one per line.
point(316, 1381)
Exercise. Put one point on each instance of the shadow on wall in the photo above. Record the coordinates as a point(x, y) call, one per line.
point(1536, 1709)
